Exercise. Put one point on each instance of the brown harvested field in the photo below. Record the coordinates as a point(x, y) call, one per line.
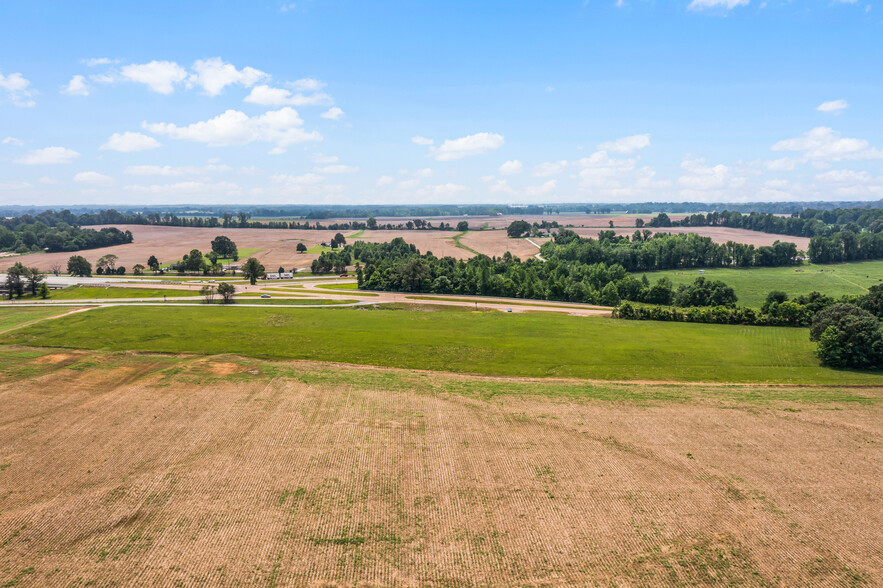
point(496, 243)
point(502, 221)
point(717, 234)
point(132, 469)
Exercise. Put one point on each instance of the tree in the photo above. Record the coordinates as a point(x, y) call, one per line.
point(153, 263)
point(138, 269)
point(224, 246)
point(78, 266)
point(44, 291)
point(107, 262)
point(518, 229)
point(252, 269)
point(372, 223)
point(226, 291)
point(339, 239)
point(775, 297)
point(281, 270)
point(639, 222)
point(610, 295)
point(855, 341)
point(208, 293)
point(462, 226)
point(121, 271)
point(193, 261)
point(34, 278)
point(832, 315)
point(301, 248)
point(15, 281)
point(55, 268)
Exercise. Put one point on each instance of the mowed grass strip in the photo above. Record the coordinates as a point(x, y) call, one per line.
point(753, 284)
point(11, 317)
point(91, 292)
point(497, 344)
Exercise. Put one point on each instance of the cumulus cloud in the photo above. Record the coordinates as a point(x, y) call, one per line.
point(48, 156)
point(500, 186)
point(282, 127)
point(130, 142)
point(423, 141)
point(544, 189)
point(384, 181)
point(269, 96)
point(76, 87)
point(833, 107)
point(188, 189)
point(14, 185)
point(213, 75)
point(626, 145)
point(160, 76)
point(303, 179)
point(825, 144)
point(337, 169)
point(96, 61)
point(511, 168)
point(468, 146)
point(702, 181)
point(12, 141)
point(549, 168)
point(168, 170)
point(17, 90)
point(94, 178)
point(718, 4)
point(333, 113)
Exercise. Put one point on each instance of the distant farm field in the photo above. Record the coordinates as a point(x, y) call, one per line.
point(752, 285)
point(492, 343)
point(134, 469)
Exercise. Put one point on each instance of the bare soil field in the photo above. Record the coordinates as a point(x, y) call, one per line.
point(717, 234)
point(496, 243)
point(136, 469)
point(501, 222)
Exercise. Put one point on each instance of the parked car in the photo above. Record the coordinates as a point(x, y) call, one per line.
point(265, 296)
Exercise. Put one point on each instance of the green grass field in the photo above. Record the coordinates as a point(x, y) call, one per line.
point(316, 249)
point(11, 317)
point(351, 287)
point(483, 343)
point(90, 292)
point(459, 244)
point(752, 285)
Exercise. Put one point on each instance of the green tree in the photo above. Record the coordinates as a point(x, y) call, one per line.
point(372, 223)
point(107, 263)
point(226, 290)
point(462, 226)
point(224, 246)
point(301, 248)
point(831, 316)
point(193, 261)
point(610, 295)
point(853, 342)
point(138, 269)
point(339, 239)
point(518, 228)
point(34, 278)
point(15, 280)
point(78, 266)
point(153, 263)
point(252, 269)
point(44, 291)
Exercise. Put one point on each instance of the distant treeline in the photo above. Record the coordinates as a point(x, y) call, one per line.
point(54, 232)
point(312, 212)
point(808, 223)
point(646, 251)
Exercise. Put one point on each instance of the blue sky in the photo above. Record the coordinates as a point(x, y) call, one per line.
point(340, 102)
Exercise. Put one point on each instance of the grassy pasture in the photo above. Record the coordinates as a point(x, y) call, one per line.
point(90, 292)
point(496, 344)
point(752, 285)
point(11, 317)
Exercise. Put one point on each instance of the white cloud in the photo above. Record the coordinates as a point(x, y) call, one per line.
point(168, 170)
point(161, 76)
point(337, 169)
point(626, 145)
point(549, 168)
point(325, 159)
point(188, 189)
point(282, 127)
point(49, 181)
point(12, 141)
point(287, 7)
point(418, 140)
point(833, 107)
point(426, 172)
point(213, 75)
point(408, 184)
point(501, 186)
point(307, 85)
point(384, 181)
point(701, 178)
point(96, 61)
point(783, 164)
point(48, 156)
point(18, 90)
point(448, 190)
point(333, 113)
point(14, 185)
point(468, 146)
point(721, 4)
point(95, 178)
point(511, 167)
point(76, 87)
point(544, 189)
point(308, 178)
point(268, 96)
point(823, 143)
point(130, 142)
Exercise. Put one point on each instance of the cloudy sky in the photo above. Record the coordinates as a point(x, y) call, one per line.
point(354, 102)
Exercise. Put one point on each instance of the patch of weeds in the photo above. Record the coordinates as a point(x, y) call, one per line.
point(19, 576)
point(14, 535)
point(345, 539)
point(3, 466)
point(295, 495)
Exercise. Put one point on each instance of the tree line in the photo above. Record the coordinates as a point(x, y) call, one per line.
point(28, 234)
point(647, 251)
